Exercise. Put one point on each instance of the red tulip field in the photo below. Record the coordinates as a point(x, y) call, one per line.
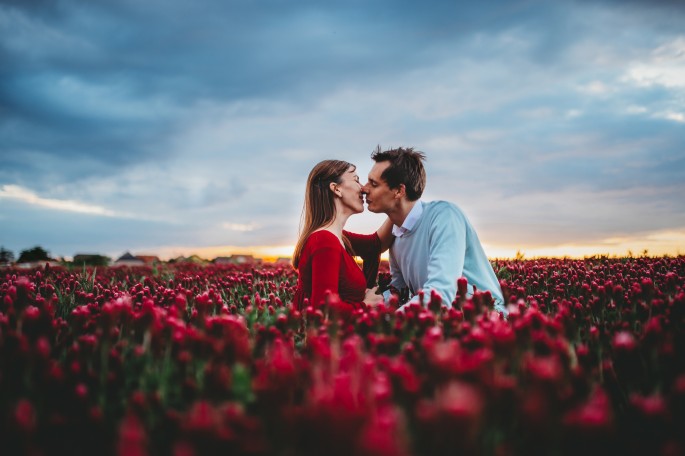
point(190, 360)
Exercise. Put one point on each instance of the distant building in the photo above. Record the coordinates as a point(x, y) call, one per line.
point(283, 261)
point(148, 259)
point(242, 259)
point(128, 260)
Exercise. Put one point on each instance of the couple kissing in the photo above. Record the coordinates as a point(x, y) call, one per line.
point(432, 244)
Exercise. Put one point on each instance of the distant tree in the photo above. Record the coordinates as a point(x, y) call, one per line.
point(6, 256)
point(91, 260)
point(35, 254)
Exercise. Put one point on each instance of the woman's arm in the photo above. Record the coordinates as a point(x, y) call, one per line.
point(385, 235)
point(372, 244)
point(368, 247)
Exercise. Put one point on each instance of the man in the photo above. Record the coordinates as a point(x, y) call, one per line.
point(435, 243)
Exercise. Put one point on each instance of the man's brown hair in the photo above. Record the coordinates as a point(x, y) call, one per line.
point(406, 167)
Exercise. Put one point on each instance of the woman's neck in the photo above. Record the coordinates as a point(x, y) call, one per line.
point(337, 225)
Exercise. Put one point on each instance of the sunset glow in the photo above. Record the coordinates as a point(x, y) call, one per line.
point(671, 243)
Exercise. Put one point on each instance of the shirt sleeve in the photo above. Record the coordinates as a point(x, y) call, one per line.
point(446, 256)
point(326, 276)
point(396, 277)
point(368, 247)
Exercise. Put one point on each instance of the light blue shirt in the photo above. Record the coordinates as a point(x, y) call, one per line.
point(409, 222)
point(434, 249)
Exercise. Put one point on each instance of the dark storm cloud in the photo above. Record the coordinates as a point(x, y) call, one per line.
point(176, 54)
point(229, 50)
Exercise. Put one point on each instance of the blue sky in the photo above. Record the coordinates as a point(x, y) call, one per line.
point(179, 126)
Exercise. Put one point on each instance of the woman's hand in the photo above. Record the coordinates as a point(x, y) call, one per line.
point(372, 299)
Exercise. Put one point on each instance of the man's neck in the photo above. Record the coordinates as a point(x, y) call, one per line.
point(399, 215)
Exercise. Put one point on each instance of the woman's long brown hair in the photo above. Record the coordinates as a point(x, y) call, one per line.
point(319, 201)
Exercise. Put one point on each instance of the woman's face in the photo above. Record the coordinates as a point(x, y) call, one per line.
point(351, 191)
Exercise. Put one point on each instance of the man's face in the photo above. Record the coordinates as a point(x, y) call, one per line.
point(379, 197)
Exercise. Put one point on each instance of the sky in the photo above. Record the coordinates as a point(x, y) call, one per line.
point(182, 126)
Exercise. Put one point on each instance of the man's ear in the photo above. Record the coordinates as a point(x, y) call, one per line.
point(401, 191)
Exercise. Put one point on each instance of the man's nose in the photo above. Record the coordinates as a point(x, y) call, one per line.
point(364, 189)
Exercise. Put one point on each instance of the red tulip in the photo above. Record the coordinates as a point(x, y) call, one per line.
point(624, 342)
point(25, 416)
point(132, 437)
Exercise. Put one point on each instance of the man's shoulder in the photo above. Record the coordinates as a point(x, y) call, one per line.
point(439, 204)
point(441, 208)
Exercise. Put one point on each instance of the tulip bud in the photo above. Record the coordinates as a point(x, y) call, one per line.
point(624, 341)
point(435, 302)
point(25, 416)
point(462, 286)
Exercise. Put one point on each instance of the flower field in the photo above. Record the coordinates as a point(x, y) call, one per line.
point(192, 360)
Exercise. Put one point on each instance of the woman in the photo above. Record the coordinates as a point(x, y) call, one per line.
point(323, 254)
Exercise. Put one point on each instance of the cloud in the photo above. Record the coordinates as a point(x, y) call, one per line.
point(64, 233)
point(665, 66)
point(26, 196)
point(540, 118)
point(670, 115)
point(239, 226)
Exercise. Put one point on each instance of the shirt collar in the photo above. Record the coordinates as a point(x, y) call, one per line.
point(409, 222)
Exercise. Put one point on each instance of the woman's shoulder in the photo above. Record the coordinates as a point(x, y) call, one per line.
point(324, 238)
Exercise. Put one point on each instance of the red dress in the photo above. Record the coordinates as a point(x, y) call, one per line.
point(325, 266)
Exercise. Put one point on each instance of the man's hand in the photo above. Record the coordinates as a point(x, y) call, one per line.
point(372, 297)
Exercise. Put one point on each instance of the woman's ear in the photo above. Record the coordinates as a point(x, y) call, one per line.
point(334, 188)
